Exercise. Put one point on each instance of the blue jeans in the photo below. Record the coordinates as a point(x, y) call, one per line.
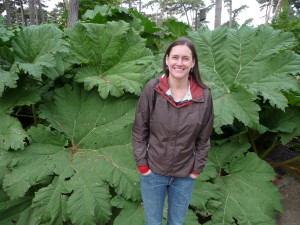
point(154, 190)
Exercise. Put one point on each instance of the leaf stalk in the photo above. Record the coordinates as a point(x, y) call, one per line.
point(35, 120)
point(251, 140)
point(287, 162)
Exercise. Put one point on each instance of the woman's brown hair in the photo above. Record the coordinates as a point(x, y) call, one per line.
point(194, 72)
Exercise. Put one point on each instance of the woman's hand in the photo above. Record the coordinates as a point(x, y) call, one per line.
point(194, 176)
point(147, 173)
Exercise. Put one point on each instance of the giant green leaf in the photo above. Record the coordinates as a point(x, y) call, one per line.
point(240, 65)
point(113, 56)
point(242, 191)
point(102, 130)
point(35, 48)
point(86, 154)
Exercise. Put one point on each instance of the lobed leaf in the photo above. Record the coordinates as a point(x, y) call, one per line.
point(35, 47)
point(242, 190)
point(240, 65)
point(101, 129)
point(113, 55)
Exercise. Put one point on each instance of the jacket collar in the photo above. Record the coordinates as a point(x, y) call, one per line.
point(194, 94)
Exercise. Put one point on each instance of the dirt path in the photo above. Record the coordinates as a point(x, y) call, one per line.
point(289, 187)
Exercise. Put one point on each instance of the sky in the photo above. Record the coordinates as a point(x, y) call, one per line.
point(252, 12)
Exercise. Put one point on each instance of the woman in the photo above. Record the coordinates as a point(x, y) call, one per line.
point(170, 135)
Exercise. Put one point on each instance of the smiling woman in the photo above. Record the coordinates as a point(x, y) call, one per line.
point(171, 136)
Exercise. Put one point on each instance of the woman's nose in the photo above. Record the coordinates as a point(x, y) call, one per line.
point(179, 62)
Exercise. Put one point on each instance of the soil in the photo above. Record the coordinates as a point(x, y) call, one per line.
point(288, 183)
point(289, 186)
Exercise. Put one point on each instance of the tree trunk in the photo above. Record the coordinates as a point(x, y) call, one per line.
point(66, 4)
point(31, 12)
point(73, 13)
point(269, 12)
point(140, 6)
point(8, 16)
point(218, 13)
point(278, 6)
point(36, 13)
point(129, 4)
point(22, 14)
point(230, 13)
point(186, 14)
point(41, 13)
point(163, 7)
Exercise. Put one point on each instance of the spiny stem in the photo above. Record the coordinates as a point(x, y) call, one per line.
point(287, 161)
point(251, 139)
point(35, 121)
point(21, 115)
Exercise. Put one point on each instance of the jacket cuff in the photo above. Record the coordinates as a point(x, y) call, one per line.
point(195, 173)
point(143, 169)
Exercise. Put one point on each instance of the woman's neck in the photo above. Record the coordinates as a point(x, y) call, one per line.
point(178, 83)
point(179, 87)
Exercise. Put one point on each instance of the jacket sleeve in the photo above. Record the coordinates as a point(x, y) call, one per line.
point(203, 140)
point(140, 129)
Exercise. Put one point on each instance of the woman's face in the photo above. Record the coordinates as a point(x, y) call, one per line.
point(180, 61)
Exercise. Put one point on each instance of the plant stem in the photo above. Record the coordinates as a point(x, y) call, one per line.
point(251, 139)
point(287, 161)
point(39, 81)
point(20, 115)
point(35, 122)
point(265, 153)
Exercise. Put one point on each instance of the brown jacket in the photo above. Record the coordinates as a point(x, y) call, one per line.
point(172, 140)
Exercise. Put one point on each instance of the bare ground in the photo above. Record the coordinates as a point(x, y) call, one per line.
point(289, 186)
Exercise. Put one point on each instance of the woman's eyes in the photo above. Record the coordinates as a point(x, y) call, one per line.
point(184, 58)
